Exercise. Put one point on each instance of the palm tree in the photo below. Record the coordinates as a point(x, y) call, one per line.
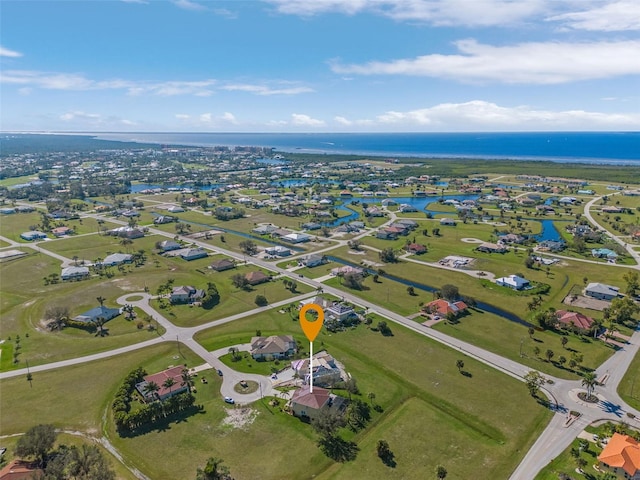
point(564, 342)
point(125, 242)
point(150, 389)
point(101, 300)
point(169, 383)
point(441, 472)
point(460, 365)
point(372, 397)
point(589, 381)
point(186, 379)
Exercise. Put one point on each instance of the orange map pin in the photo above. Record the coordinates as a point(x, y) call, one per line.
point(311, 330)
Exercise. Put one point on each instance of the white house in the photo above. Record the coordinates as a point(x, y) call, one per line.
point(513, 281)
point(71, 273)
point(296, 237)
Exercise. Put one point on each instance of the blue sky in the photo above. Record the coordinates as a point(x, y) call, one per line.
point(320, 65)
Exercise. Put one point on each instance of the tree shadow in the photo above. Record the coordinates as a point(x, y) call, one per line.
point(389, 460)
point(466, 374)
point(338, 449)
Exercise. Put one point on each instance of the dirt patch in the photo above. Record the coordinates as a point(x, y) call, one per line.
point(239, 417)
point(585, 302)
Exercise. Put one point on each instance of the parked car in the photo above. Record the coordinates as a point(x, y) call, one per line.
point(229, 400)
point(220, 372)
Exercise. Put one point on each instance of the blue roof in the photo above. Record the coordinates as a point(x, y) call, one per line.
point(104, 312)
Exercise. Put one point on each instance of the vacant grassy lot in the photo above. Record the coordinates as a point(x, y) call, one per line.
point(419, 387)
point(232, 300)
point(629, 388)
point(90, 247)
point(48, 399)
point(510, 339)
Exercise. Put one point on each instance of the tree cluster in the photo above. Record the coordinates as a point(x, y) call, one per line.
point(64, 463)
point(226, 213)
point(212, 297)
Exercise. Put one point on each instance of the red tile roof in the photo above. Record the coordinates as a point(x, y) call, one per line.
point(622, 451)
point(160, 377)
point(19, 470)
point(315, 400)
point(579, 320)
point(443, 307)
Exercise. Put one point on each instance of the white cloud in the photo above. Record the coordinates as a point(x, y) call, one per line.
point(300, 119)
point(24, 91)
point(342, 121)
point(537, 63)
point(5, 52)
point(610, 17)
point(205, 117)
point(485, 116)
point(264, 90)
point(189, 5)
point(229, 117)
point(79, 115)
point(78, 82)
point(437, 12)
point(182, 116)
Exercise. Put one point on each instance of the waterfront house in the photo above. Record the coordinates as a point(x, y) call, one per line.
point(513, 281)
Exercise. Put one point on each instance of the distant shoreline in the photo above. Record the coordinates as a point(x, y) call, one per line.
point(322, 146)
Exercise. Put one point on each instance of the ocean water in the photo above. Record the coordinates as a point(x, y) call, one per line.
point(574, 147)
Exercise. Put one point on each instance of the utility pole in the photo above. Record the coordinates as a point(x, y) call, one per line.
point(178, 344)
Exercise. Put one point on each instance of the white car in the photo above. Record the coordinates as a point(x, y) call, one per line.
point(229, 400)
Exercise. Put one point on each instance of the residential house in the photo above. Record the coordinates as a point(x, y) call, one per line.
point(186, 294)
point(448, 221)
point(311, 226)
point(406, 208)
point(102, 312)
point(318, 300)
point(175, 209)
point(357, 224)
point(159, 379)
point(401, 228)
point(487, 247)
point(622, 455)
point(33, 235)
point(325, 371)
point(441, 308)
point(61, 231)
point(7, 211)
point(275, 346)
point(257, 277)
point(74, 273)
point(162, 219)
point(386, 234)
point(193, 253)
point(312, 260)
point(307, 404)
point(604, 253)
point(551, 246)
point(340, 311)
point(296, 237)
point(169, 245)
point(222, 265)
point(126, 232)
point(345, 269)
point(407, 222)
point(21, 470)
point(373, 212)
point(601, 291)
point(514, 282)
point(277, 251)
point(416, 248)
point(511, 238)
point(574, 319)
point(265, 229)
point(117, 259)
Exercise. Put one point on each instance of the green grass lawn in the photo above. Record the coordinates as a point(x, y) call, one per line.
point(510, 339)
point(48, 398)
point(629, 388)
point(418, 386)
point(232, 299)
point(10, 182)
point(565, 463)
point(90, 247)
